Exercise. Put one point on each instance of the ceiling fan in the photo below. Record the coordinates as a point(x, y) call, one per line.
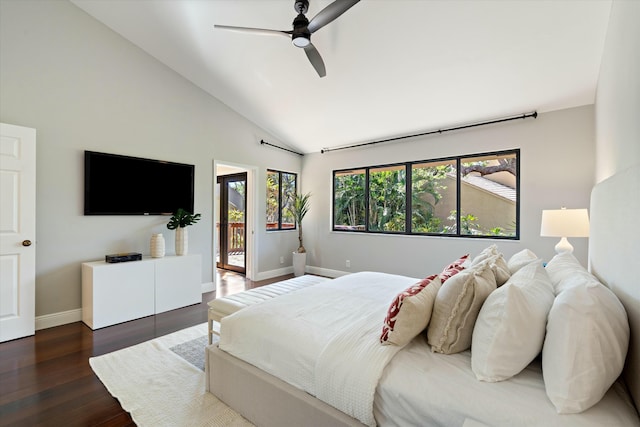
point(303, 28)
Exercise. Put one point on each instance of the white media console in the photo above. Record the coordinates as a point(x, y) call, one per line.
point(119, 292)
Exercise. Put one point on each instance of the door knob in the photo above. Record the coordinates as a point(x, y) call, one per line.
point(26, 243)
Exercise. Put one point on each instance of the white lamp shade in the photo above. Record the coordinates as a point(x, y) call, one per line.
point(565, 223)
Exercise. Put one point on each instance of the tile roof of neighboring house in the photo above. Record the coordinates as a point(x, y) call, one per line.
point(491, 186)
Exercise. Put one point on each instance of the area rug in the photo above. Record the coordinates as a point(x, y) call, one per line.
point(161, 382)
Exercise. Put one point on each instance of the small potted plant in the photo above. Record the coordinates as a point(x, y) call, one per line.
point(299, 209)
point(179, 221)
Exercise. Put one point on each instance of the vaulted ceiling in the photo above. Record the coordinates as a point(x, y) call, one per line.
point(394, 67)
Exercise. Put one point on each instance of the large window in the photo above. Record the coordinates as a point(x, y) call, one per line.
point(465, 196)
point(281, 189)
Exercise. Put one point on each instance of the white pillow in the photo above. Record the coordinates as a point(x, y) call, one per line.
point(510, 328)
point(564, 268)
point(586, 343)
point(520, 259)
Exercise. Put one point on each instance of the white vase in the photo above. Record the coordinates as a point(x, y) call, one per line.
point(299, 263)
point(157, 245)
point(182, 241)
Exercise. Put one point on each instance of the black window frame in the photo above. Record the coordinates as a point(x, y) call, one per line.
point(408, 193)
point(280, 205)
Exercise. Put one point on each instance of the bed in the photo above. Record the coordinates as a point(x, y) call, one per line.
point(331, 369)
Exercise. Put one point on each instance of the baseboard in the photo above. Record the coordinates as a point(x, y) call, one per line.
point(208, 287)
point(273, 273)
point(57, 319)
point(326, 272)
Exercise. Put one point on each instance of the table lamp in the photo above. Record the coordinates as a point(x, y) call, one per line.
point(564, 223)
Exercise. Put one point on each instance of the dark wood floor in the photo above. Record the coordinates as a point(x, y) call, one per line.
point(45, 380)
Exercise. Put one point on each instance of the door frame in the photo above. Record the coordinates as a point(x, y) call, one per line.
point(251, 220)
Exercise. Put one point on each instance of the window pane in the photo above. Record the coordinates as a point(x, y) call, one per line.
point(349, 203)
point(488, 195)
point(273, 189)
point(288, 192)
point(433, 197)
point(387, 198)
point(281, 188)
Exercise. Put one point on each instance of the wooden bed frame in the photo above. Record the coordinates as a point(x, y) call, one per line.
point(613, 248)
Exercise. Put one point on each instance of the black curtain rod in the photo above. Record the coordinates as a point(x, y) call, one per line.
point(263, 142)
point(488, 122)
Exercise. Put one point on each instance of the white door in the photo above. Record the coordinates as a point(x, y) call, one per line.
point(17, 231)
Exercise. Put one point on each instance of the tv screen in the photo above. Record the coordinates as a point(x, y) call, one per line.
point(123, 185)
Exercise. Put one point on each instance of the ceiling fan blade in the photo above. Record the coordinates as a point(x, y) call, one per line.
point(315, 59)
point(254, 30)
point(329, 13)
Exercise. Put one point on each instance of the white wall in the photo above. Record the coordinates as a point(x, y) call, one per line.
point(618, 94)
point(557, 164)
point(83, 87)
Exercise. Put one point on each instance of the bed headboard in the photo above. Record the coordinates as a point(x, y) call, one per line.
point(614, 248)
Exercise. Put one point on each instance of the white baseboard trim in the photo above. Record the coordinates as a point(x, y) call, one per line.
point(208, 287)
point(57, 319)
point(326, 272)
point(264, 275)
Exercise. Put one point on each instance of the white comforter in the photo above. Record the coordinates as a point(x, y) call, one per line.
point(334, 351)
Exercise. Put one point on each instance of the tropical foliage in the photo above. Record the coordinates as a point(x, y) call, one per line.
point(298, 210)
point(383, 208)
point(182, 218)
point(281, 189)
point(349, 191)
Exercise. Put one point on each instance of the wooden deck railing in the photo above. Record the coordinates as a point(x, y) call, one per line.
point(235, 233)
point(235, 236)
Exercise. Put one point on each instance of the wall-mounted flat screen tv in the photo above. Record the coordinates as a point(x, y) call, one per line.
point(123, 185)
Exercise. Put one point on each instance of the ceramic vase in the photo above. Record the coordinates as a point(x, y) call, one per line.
point(299, 263)
point(157, 245)
point(182, 241)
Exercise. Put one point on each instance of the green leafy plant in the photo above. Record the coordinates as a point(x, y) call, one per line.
point(182, 218)
point(299, 209)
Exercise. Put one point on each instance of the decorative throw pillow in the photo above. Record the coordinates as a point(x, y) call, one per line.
point(486, 253)
point(585, 346)
point(454, 268)
point(510, 329)
point(497, 262)
point(456, 308)
point(520, 259)
point(499, 267)
point(410, 312)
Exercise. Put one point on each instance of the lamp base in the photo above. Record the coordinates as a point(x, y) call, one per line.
point(564, 247)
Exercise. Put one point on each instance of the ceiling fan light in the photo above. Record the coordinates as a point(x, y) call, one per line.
point(301, 41)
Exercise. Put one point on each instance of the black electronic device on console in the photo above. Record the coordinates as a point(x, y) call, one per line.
point(123, 257)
